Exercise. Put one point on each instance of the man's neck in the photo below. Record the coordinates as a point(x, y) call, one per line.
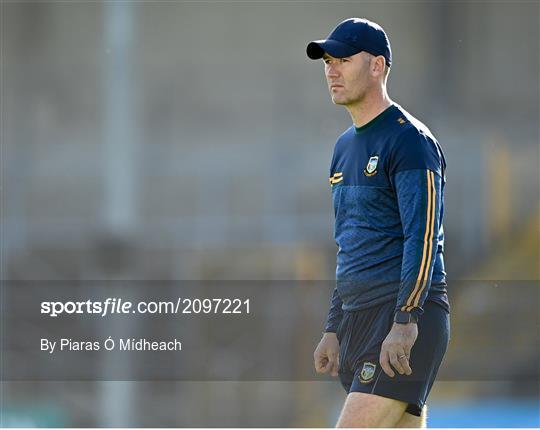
point(369, 108)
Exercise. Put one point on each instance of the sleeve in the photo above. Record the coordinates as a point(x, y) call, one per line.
point(335, 314)
point(417, 169)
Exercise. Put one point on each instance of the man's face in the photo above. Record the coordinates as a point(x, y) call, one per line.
point(348, 78)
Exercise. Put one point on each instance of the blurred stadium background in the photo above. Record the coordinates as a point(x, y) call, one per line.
point(192, 140)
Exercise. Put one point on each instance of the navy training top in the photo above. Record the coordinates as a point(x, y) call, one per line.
point(387, 180)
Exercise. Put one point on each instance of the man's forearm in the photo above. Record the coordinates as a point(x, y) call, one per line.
point(335, 314)
point(418, 194)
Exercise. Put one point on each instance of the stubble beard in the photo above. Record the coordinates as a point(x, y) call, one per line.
point(353, 93)
point(346, 99)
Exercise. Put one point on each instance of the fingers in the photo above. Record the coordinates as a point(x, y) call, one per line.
point(327, 363)
point(320, 364)
point(400, 362)
point(404, 360)
point(332, 363)
point(395, 362)
point(385, 363)
point(327, 367)
point(335, 368)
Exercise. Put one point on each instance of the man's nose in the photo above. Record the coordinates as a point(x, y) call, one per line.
point(332, 71)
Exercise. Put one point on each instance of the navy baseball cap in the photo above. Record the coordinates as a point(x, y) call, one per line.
point(351, 37)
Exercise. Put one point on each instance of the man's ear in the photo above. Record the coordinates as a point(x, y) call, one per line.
point(377, 65)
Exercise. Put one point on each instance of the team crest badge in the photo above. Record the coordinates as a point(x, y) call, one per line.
point(371, 168)
point(367, 373)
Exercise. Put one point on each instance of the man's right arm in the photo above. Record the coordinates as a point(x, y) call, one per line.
point(335, 314)
point(326, 355)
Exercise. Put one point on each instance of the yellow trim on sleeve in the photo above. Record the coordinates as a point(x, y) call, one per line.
point(426, 251)
point(426, 274)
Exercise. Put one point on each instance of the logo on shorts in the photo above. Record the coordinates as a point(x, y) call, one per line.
point(371, 168)
point(367, 373)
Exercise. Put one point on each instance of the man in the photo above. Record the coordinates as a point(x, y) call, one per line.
point(388, 325)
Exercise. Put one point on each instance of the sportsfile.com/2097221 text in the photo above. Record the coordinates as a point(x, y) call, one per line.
point(118, 306)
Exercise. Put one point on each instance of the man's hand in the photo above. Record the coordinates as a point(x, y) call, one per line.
point(396, 349)
point(326, 354)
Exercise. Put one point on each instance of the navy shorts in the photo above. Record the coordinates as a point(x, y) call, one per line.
point(361, 334)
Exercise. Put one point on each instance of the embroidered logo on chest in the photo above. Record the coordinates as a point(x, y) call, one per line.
point(371, 168)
